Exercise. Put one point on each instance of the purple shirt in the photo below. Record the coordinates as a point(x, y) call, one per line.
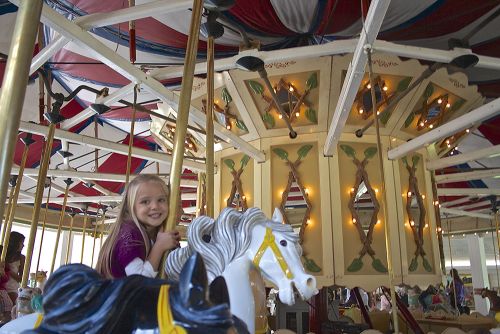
point(129, 245)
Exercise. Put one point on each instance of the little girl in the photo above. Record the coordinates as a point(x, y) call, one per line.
point(136, 242)
point(14, 263)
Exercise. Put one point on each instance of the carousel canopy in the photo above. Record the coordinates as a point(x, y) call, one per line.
point(309, 49)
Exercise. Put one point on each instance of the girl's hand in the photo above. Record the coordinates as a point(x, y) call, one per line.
point(168, 240)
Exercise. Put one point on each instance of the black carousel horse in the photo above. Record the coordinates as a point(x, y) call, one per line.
point(78, 300)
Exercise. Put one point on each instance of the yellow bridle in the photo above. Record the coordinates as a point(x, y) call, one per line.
point(166, 323)
point(268, 242)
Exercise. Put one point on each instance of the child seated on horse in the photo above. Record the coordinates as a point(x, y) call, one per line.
point(136, 242)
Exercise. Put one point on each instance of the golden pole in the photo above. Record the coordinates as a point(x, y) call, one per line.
point(182, 119)
point(199, 194)
point(382, 203)
point(495, 251)
point(43, 226)
point(68, 248)
point(14, 86)
point(95, 236)
point(42, 174)
point(437, 214)
point(12, 182)
point(61, 219)
point(183, 114)
point(8, 225)
point(210, 129)
point(496, 229)
point(102, 235)
point(85, 217)
point(131, 138)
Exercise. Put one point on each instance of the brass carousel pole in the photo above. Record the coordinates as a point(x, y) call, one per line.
point(12, 183)
point(382, 203)
point(68, 248)
point(8, 222)
point(182, 119)
point(131, 138)
point(85, 218)
point(61, 219)
point(210, 128)
point(43, 225)
point(437, 214)
point(54, 117)
point(495, 250)
point(14, 86)
point(95, 236)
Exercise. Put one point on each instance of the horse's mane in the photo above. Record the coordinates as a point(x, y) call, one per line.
point(221, 241)
point(78, 300)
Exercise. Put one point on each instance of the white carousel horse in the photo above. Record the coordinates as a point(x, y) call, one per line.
point(234, 243)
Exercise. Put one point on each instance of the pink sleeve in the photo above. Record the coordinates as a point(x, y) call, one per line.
point(130, 245)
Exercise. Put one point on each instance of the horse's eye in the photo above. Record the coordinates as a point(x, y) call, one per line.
point(206, 238)
point(283, 243)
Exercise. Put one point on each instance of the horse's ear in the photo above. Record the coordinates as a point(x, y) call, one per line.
point(193, 281)
point(218, 291)
point(277, 216)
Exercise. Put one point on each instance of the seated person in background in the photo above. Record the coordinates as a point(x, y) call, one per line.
point(14, 263)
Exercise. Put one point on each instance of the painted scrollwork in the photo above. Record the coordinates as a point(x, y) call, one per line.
point(415, 210)
point(364, 208)
point(294, 181)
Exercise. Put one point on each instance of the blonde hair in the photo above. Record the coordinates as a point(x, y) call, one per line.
point(126, 213)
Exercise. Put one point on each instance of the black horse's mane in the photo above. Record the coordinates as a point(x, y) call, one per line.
point(78, 300)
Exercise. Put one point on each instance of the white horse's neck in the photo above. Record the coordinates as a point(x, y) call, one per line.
point(241, 297)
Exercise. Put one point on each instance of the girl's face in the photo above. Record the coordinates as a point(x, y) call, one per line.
point(21, 245)
point(151, 206)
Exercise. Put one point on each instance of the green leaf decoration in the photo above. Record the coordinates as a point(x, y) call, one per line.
point(226, 97)
point(413, 265)
point(403, 84)
point(312, 82)
point(256, 87)
point(241, 125)
point(356, 265)
point(427, 265)
point(302, 152)
point(244, 161)
point(281, 153)
point(311, 115)
point(229, 163)
point(405, 161)
point(348, 150)
point(269, 120)
point(415, 160)
point(428, 91)
point(409, 119)
point(370, 152)
point(457, 105)
point(310, 265)
point(378, 266)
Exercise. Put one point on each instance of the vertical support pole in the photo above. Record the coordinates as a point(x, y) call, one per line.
point(42, 174)
point(61, 219)
point(210, 129)
point(383, 202)
point(183, 115)
point(85, 218)
point(70, 242)
point(14, 86)
point(182, 119)
point(43, 226)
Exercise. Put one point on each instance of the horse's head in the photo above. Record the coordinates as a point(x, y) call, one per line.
point(276, 252)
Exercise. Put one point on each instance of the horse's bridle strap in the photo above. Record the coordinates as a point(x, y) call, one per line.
point(268, 242)
point(166, 323)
